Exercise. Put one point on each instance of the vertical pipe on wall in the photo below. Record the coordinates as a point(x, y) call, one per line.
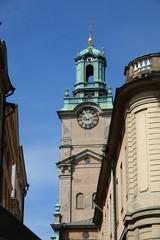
point(114, 203)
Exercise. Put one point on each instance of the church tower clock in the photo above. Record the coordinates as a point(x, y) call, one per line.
point(85, 122)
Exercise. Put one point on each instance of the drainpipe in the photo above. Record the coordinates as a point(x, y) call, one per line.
point(97, 206)
point(2, 145)
point(114, 203)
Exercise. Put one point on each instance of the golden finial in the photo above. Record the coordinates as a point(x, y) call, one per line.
point(90, 40)
point(77, 51)
point(102, 50)
point(66, 92)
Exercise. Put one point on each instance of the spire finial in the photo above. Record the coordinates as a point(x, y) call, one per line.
point(66, 92)
point(90, 28)
point(109, 91)
point(103, 51)
point(77, 51)
point(90, 40)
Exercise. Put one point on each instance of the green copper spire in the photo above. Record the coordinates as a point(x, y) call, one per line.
point(90, 83)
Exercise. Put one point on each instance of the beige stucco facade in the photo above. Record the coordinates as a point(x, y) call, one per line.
point(75, 175)
point(129, 182)
point(75, 139)
point(78, 234)
point(84, 180)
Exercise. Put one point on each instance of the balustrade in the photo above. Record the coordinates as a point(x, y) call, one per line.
point(142, 65)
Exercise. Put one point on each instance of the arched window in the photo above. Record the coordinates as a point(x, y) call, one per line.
point(89, 73)
point(93, 199)
point(80, 201)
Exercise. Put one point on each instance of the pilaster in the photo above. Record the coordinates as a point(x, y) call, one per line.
point(65, 191)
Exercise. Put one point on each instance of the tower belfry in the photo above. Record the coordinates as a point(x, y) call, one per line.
point(85, 123)
point(90, 72)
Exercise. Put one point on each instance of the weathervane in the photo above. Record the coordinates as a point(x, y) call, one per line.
point(90, 29)
point(90, 40)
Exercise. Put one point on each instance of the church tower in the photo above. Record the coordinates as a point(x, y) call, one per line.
point(85, 122)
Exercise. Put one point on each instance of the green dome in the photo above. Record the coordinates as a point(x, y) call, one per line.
point(90, 50)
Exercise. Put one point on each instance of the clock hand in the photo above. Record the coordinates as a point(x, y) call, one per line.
point(85, 114)
point(92, 116)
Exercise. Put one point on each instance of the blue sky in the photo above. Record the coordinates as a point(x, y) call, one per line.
point(42, 38)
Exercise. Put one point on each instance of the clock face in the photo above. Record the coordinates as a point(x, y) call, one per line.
point(88, 118)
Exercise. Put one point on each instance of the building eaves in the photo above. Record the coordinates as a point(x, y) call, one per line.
point(5, 83)
point(81, 224)
point(84, 224)
point(11, 228)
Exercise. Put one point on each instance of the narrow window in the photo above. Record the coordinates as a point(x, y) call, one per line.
point(89, 73)
point(9, 205)
point(121, 176)
point(110, 215)
point(117, 216)
point(80, 201)
point(9, 167)
point(7, 160)
point(107, 220)
point(93, 200)
point(5, 193)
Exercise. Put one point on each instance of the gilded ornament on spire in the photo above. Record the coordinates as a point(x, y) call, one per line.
point(103, 51)
point(77, 51)
point(90, 40)
point(66, 92)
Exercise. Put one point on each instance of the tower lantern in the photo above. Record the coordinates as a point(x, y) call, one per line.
point(90, 72)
